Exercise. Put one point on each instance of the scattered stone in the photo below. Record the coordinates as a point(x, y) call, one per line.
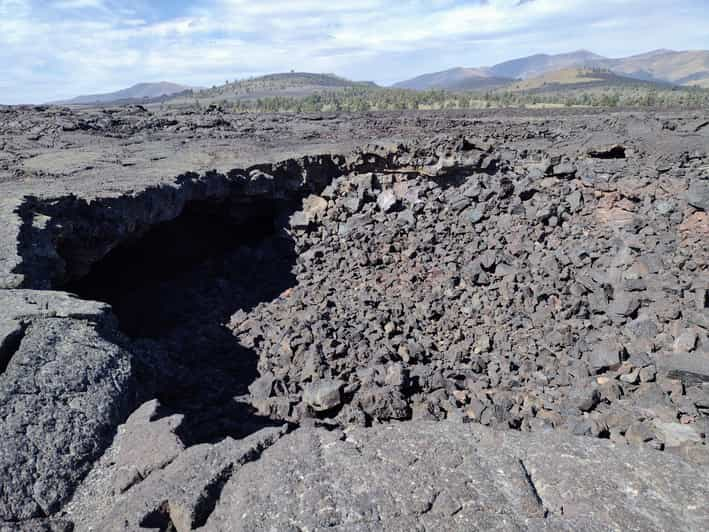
point(648, 374)
point(676, 434)
point(639, 433)
point(624, 305)
point(607, 354)
point(585, 398)
point(632, 377)
point(698, 194)
point(323, 395)
point(475, 214)
point(685, 342)
point(387, 201)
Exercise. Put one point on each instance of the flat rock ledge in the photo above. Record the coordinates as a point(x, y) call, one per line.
point(408, 476)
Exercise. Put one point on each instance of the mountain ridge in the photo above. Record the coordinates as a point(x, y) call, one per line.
point(687, 68)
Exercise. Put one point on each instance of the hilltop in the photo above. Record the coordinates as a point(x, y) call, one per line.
point(292, 84)
point(455, 79)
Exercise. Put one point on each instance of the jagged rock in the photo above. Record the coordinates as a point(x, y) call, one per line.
point(314, 208)
point(624, 305)
point(564, 169)
point(585, 398)
point(386, 200)
point(639, 433)
point(606, 354)
point(685, 342)
point(182, 494)
point(147, 443)
point(475, 214)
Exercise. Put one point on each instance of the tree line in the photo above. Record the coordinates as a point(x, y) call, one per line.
point(362, 99)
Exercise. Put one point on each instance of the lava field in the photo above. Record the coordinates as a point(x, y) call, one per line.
point(393, 321)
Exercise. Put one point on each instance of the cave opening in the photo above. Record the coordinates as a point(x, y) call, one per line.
point(142, 277)
point(174, 288)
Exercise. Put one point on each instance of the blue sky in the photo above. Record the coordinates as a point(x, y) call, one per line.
point(53, 49)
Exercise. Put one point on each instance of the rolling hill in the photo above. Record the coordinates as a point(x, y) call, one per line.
point(293, 84)
point(578, 78)
point(141, 91)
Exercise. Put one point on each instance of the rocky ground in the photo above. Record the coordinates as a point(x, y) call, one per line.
point(403, 321)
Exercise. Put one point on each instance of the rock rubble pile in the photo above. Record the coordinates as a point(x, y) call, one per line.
point(545, 296)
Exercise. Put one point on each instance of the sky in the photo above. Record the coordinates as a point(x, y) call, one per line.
point(56, 49)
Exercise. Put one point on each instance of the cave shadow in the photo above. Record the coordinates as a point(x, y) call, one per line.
point(174, 290)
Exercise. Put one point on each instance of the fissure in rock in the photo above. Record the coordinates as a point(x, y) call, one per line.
point(11, 344)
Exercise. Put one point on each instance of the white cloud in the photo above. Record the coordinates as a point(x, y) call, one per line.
point(50, 50)
point(78, 4)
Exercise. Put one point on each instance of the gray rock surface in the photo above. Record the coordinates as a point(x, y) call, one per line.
point(65, 388)
point(405, 476)
point(444, 476)
point(181, 494)
point(148, 443)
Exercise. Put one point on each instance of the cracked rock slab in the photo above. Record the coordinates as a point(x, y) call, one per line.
point(147, 444)
point(445, 476)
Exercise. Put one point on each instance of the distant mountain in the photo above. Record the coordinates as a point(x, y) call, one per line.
point(682, 68)
point(455, 78)
point(536, 65)
point(140, 91)
point(689, 68)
